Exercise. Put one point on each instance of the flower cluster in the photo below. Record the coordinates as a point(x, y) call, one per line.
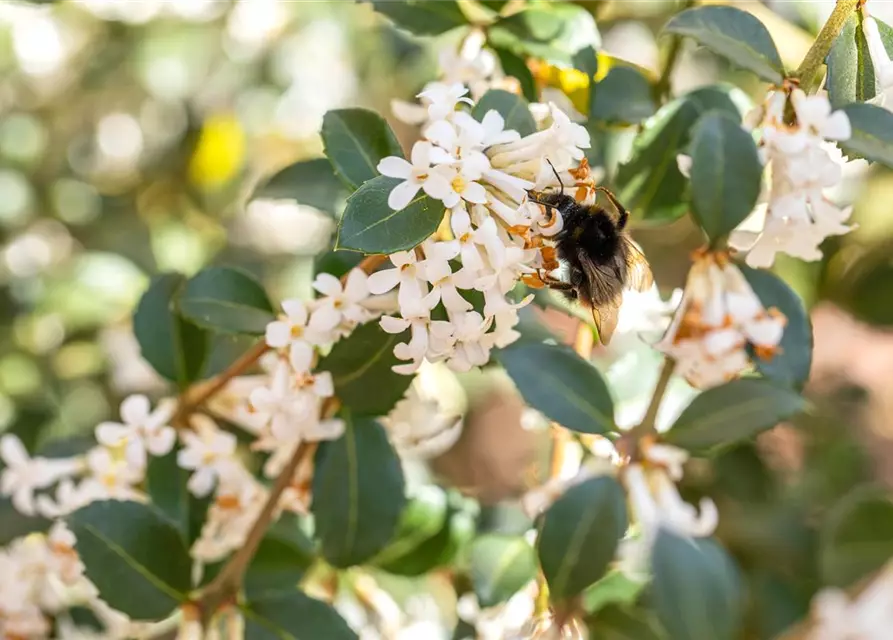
point(42, 579)
point(719, 317)
point(802, 164)
point(481, 172)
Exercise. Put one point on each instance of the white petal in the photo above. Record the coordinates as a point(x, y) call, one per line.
point(112, 434)
point(383, 281)
point(402, 194)
point(323, 385)
point(278, 334)
point(475, 192)
point(135, 409)
point(13, 451)
point(324, 320)
point(300, 356)
point(837, 127)
point(438, 186)
point(393, 325)
point(441, 133)
point(162, 441)
point(328, 429)
point(327, 284)
point(356, 288)
point(201, 482)
point(683, 162)
point(296, 311)
point(395, 167)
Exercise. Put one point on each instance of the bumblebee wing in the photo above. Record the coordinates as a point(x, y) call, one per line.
point(605, 318)
point(602, 281)
point(640, 276)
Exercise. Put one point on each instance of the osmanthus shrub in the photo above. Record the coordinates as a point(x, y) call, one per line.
point(263, 501)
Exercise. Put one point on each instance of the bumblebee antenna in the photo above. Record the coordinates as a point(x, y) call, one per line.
point(557, 177)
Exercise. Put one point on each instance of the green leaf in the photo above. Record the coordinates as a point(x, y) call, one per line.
point(282, 558)
point(872, 137)
point(355, 141)
point(361, 370)
point(134, 556)
point(726, 174)
point(514, 109)
point(586, 60)
point(514, 65)
point(357, 493)
point(551, 31)
point(423, 17)
point(293, 615)
point(649, 183)
point(559, 383)
point(616, 588)
point(731, 412)
point(696, 588)
point(791, 364)
point(14, 524)
point(227, 300)
point(500, 566)
point(579, 535)
point(166, 485)
point(426, 515)
point(437, 551)
point(623, 97)
point(310, 182)
point(857, 536)
point(623, 623)
point(850, 70)
point(734, 34)
point(174, 347)
point(371, 226)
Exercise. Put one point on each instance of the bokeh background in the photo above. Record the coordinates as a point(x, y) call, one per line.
point(133, 133)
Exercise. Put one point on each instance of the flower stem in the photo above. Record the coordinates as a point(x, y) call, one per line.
point(647, 424)
point(809, 69)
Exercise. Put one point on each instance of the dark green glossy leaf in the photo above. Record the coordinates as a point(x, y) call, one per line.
point(371, 226)
point(731, 412)
point(132, 544)
point(734, 34)
point(850, 70)
point(174, 347)
point(514, 109)
point(625, 623)
point(355, 141)
point(872, 137)
point(282, 558)
point(357, 493)
point(551, 31)
point(579, 535)
point(792, 363)
point(166, 486)
point(586, 60)
point(361, 370)
point(293, 615)
point(514, 65)
point(437, 551)
point(224, 349)
point(500, 567)
point(423, 17)
point(649, 183)
point(559, 383)
point(726, 174)
point(228, 300)
point(424, 516)
point(85, 618)
point(696, 588)
point(857, 536)
point(311, 182)
point(623, 97)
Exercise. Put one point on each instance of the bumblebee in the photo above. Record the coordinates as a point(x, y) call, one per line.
point(600, 257)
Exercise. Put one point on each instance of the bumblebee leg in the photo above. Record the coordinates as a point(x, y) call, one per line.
point(558, 285)
point(621, 210)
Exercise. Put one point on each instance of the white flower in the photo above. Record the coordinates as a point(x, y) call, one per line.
point(718, 317)
point(442, 99)
point(344, 300)
point(111, 477)
point(471, 347)
point(431, 339)
point(230, 517)
point(141, 431)
point(23, 474)
point(408, 274)
point(867, 616)
point(419, 426)
point(802, 164)
point(418, 175)
point(300, 324)
point(209, 452)
point(280, 406)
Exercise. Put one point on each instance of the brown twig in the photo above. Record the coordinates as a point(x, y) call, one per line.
point(225, 587)
point(817, 53)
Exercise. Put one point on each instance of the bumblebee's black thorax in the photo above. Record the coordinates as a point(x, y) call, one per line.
point(585, 227)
